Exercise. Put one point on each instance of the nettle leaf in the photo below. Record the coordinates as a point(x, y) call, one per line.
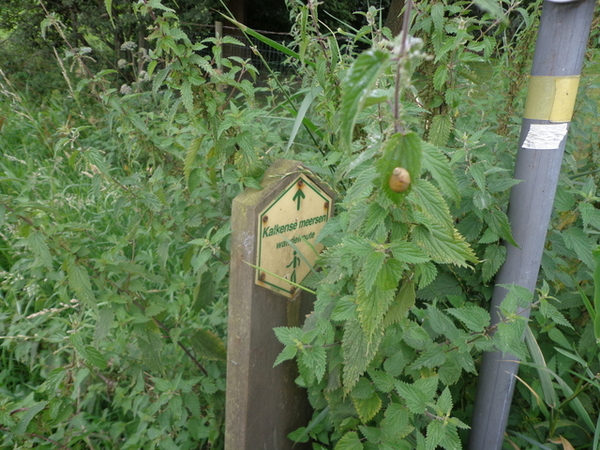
point(362, 186)
point(400, 150)
point(440, 168)
point(549, 311)
point(37, 243)
point(187, 96)
point(79, 282)
point(493, 258)
point(31, 412)
point(94, 357)
point(372, 308)
point(315, 360)
point(383, 381)
point(425, 274)
point(288, 352)
point(358, 352)
point(404, 301)
point(498, 222)
point(151, 344)
point(418, 394)
point(576, 240)
point(440, 323)
point(367, 407)
point(396, 423)
point(590, 215)
point(372, 265)
point(475, 318)
point(288, 335)
point(408, 252)
point(440, 76)
point(104, 323)
point(208, 345)
point(444, 401)
point(356, 89)
point(477, 171)
point(443, 247)
point(433, 356)
point(442, 433)
point(349, 441)
point(426, 198)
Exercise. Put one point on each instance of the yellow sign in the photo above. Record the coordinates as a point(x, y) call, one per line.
point(287, 230)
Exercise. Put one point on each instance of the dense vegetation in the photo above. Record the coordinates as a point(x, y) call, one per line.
point(116, 181)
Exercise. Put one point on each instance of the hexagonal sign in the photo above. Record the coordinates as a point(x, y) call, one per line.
point(287, 230)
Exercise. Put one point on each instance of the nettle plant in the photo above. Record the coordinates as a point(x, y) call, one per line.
point(114, 212)
point(401, 311)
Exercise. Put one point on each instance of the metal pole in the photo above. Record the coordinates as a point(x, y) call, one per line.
point(558, 58)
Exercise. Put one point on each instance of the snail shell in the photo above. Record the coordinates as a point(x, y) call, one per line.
point(399, 180)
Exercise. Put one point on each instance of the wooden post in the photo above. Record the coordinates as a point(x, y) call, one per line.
point(263, 402)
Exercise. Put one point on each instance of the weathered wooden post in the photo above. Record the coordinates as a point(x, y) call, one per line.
point(263, 402)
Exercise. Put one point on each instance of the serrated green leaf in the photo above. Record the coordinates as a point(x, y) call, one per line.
point(404, 301)
point(187, 96)
point(408, 252)
point(389, 275)
point(438, 164)
point(367, 408)
point(477, 171)
point(356, 89)
point(79, 282)
point(37, 244)
point(349, 441)
point(396, 423)
point(499, 224)
point(372, 308)
point(288, 335)
point(151, 344)
point(437, 15)
point(104, 323)
point(288, 352)
point(440, 323)
point(400, 150)
point(475, 318)
point(426, 198)
point(444, 247)
point(576, 240)
point(208, 345)
point(190, 156)
point(21, 427)
point(493, 258)
point(445, 401)
point(94, 357)
point(440, 76)
point(383, 381)
point(433, 356)
point(494, 7)
point(373, 264)
point(315, 359)
point(418, 394)
point(548, 310)
point(358, 352)
point(590, 215)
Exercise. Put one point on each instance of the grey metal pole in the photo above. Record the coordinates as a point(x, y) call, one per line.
point(558, 58)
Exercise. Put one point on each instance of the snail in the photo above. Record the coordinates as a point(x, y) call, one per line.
point(399, 180)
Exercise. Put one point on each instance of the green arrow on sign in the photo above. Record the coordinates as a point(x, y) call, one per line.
point(298, 196)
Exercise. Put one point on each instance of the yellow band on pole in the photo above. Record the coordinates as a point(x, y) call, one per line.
point(551, 98)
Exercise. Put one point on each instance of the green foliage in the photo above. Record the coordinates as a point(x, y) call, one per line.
point(114, 211)
point(402, 299)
